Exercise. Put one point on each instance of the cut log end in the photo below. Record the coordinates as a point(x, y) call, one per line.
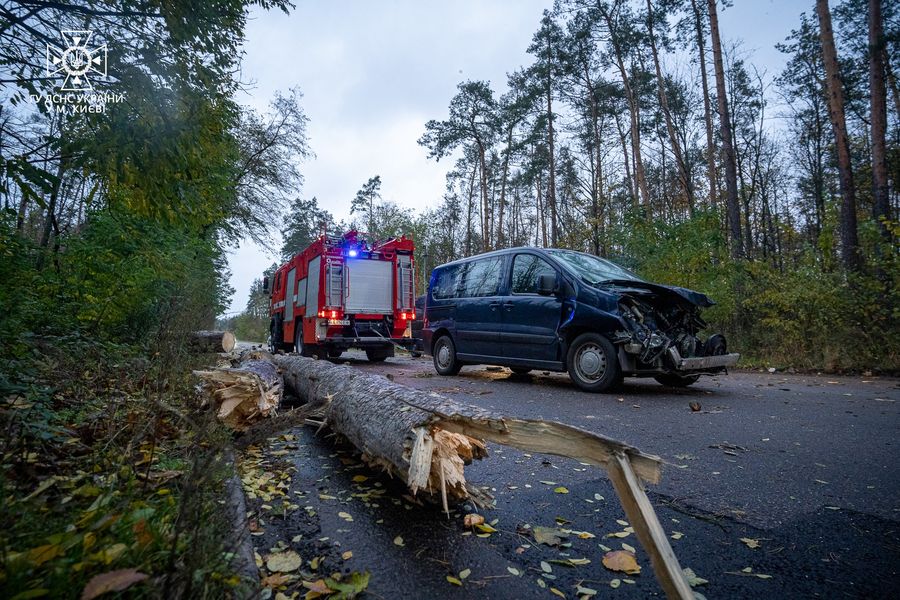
point(212, 341)
point(243, 395)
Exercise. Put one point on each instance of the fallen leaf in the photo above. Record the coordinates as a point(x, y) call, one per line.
point(350, 586)
point(513, 571)
point(453, 580)
point(545, 567)
point(629, 548)
point(317, 589)
point(346, 516)
point(465, 573)
point(359, 478)
point(615, 583)
point(548, 482)
point(561, 490)
point(472, 519)
point(114, 581)
point(621, 560)
point(692, 578)
point(398, 541)
point(751, 543)
point(547, 535)
point(41, 554)
point(695, 406)
point(284, 562)
point(347, 555)
point(486, 528)
point(585, 591)
point(676, 535)
point(541, 583)
point(557, 592)
point(275, 580)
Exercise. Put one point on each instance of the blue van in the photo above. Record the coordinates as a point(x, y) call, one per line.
point(561, 310)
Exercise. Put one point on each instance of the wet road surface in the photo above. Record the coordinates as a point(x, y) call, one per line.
point(804, 466)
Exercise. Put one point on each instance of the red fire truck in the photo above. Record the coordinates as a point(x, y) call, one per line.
point(343, 292)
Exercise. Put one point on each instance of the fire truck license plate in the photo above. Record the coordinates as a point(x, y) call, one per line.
point(338, 321)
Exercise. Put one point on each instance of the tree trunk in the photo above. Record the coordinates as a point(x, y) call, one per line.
point(485, 223)
point(680, 163)
point(732, 208)
point(212, 341)
point(849, 236)
point(707, 108)
point(427, 439)
point(551, 184)
point(881, 207)
point(634, 114)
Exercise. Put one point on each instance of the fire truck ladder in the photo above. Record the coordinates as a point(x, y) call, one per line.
point(334, 284)
point(406, 282)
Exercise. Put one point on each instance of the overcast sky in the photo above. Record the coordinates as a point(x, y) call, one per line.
point(372, 74)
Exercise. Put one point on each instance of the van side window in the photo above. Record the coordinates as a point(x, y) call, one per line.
point(445, 283)
point(527, 268)
point(482, 277)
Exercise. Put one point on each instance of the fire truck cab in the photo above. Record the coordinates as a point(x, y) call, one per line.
point(342, 292)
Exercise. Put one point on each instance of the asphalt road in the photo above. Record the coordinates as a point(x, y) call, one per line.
point(804, 465)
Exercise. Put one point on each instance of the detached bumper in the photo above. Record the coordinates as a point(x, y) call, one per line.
point(703, 363)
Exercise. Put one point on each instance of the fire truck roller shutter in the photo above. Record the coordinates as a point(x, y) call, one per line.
point(369, 289)
point(301, 293)
point(289, 295)
point(312, 286)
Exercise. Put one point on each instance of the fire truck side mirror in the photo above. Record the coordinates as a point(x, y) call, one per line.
point(266, 283)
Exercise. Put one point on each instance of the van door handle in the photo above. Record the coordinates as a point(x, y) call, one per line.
point(494, 305)
point(508, 305)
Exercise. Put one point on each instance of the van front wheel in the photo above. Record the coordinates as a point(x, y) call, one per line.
point(592, 363)
point(445, 361)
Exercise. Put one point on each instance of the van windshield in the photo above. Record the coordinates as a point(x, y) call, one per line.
point(590, 268)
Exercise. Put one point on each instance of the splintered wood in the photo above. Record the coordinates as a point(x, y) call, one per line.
point(245, 394)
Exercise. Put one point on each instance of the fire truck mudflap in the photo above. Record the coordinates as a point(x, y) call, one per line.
point(343, 292)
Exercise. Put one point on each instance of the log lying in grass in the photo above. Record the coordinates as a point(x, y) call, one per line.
point(426, 439)
point(212, 341)
point(244, 394)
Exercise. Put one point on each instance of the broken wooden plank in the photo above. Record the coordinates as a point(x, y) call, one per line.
point(647, 527)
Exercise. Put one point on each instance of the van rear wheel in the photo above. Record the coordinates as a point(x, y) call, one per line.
point(592, 363)
point(445, 361)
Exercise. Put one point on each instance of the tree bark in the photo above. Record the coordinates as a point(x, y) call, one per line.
point(212, 341)
point(707, 108)
point(878, 97)
point(834, 87)
point(732, 208)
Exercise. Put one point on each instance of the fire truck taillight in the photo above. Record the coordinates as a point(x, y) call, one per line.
point(326, 314)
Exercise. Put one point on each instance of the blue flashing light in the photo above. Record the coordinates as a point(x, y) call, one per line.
point(352, 252)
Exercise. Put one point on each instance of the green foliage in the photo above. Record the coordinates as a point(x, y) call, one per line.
point(805, 315)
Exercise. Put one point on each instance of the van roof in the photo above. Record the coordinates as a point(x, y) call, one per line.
point(494, 253)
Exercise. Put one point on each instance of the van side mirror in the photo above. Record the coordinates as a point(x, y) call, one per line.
point(546, 284)
point(266, 283)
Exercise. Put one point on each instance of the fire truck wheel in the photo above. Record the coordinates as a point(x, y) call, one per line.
point(299, 348)
point(376, 356)
point(445, 361)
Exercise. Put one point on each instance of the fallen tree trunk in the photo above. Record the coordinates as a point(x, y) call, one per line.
point(212, 341)
point(243, 394)
point(426, 439)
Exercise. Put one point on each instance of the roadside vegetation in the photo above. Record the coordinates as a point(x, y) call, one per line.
point(113, 233)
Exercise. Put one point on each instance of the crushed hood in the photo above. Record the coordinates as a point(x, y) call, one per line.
point(626, 285)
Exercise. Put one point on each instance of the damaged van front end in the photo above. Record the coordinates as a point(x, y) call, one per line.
point(656, 329)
